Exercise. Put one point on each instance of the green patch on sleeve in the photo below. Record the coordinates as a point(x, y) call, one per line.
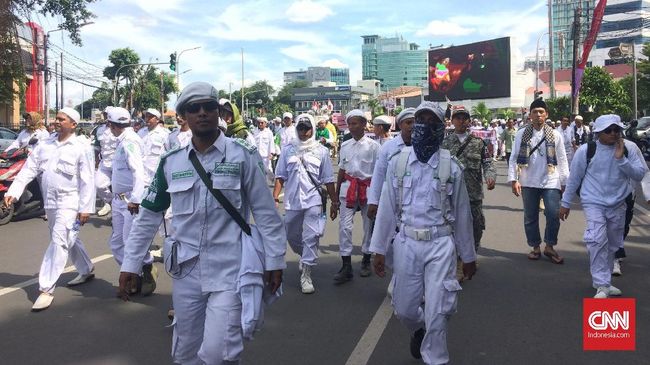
point(157, 199)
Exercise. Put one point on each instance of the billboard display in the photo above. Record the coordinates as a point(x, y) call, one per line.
point(471, 71)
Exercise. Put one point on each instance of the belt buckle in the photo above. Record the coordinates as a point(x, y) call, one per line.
point(423, 234)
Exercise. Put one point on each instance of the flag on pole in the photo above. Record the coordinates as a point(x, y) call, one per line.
point(596, 21)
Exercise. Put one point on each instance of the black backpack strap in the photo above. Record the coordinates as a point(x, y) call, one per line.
point(591, 151)
point(225, 203)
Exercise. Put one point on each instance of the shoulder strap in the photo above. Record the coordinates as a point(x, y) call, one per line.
point(444, 173)
point(537, 146)
point(591, 151)
point(317, 186)
point(464, 145)
point(225, 203)
point(400, 172)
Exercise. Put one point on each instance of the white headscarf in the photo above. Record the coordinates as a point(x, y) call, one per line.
point(310, 143)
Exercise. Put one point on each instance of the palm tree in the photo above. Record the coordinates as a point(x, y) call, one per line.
point(481, 112)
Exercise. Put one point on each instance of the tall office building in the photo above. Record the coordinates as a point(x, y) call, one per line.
point(562, 27)
point(625, 21)
point(339, 76)
point(393, 61)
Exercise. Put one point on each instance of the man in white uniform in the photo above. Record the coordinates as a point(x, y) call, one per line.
point(206, 251)
point(381, 128)
point(567, 136)
point(605, 180)
point(304, 167)
point(180, 137)
point(106, 142)
point(128, 181)
point(288, 132)
point(357, 162)
point(425, 196)
point(153, 143)
point(265, 145)
point(65, 165)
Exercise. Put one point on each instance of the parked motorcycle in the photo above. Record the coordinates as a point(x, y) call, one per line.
point(31, 201)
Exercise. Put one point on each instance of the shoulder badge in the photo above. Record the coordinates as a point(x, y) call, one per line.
point(244, 143)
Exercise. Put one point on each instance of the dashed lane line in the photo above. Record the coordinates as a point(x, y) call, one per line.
point(13, 288)
point(366, 345)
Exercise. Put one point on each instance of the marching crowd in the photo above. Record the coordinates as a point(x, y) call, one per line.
point(419, 194)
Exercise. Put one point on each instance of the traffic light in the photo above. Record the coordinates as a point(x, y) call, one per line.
point(172, 61)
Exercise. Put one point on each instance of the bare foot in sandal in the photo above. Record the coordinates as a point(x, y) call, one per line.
point(553, 255)
point(535, 254)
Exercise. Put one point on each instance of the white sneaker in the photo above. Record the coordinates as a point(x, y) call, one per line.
point(602, 292)
point(105, 210)
point(42, 302)
point(306, 284)
point(614, 291)
point(80, 279)
point(617, 268)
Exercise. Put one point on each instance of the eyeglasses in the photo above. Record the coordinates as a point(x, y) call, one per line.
point(611, 128)
point(208, 106)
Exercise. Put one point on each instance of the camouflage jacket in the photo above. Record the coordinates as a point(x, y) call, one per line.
point(476, 162)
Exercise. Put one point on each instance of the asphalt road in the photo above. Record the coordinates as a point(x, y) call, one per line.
point(514, 311)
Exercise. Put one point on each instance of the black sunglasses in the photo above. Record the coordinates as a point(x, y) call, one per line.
point(303, 127)
point(611, 128)
point(208, 106)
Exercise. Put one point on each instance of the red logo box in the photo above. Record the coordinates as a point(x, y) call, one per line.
point(609, 324)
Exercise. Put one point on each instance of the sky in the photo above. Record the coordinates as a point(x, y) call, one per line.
point(278, 36)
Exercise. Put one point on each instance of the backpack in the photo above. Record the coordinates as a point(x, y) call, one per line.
point(591, 151)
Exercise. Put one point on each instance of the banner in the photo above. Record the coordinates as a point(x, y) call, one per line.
point(599, 11)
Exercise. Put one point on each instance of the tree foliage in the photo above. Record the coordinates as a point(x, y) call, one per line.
point(601, 95)
point(643, 82)
point(284, 94)
point(559, 107)
point(481, 112)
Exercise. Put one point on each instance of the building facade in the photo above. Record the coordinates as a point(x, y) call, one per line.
point(314, 75)
point(625, 21)
point(393, 61)
point(562, 28)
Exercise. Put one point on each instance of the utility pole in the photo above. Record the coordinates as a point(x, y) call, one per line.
point(162, 97)
point(61, 74)
point(56, 87)
point(574, 62)
point(550, 47)
point(634, 76)
point(242, 82)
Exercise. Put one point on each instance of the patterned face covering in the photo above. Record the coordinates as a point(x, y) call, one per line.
point(426, 140)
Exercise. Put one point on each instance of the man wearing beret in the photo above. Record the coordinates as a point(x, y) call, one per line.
point(381, 128)
point(66, 167)
point(538, 169)
point(208, 252)
point(154, 139)
point(605, 180)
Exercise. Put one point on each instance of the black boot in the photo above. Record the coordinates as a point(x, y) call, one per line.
point(365, 266)
point(416, 343)
point(345, 274)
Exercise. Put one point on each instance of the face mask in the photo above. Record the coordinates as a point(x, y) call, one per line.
point(426, 140)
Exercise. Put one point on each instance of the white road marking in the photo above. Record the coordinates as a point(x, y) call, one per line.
point(33, 281)
point(366, 345)
point(643, 209)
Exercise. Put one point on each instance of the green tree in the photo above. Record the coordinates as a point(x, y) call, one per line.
point(643, 82)
point(284, 94)
point(258, 96)
point(147, 88)
point(506, 113)
point(601, 95)
point(71, 15)
point(559, 107)
point(481, 112)
point(100, 99)
point(118, 58)
point(375, 107)
point(277, 109)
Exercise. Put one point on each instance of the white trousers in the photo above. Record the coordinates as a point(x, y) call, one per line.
point(302, 233)
point(569, 153)
point(603, 237)
point(122, 221)
point(103, 184)
point(426, 269)
point(346, 222)
point(63, 242)
point(208, 324)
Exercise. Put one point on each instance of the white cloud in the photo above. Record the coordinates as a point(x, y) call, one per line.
point(334, 63)
point(444, 28)
point(306, 11)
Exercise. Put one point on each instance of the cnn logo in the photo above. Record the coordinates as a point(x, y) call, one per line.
point(602, 320)
point(609, 324)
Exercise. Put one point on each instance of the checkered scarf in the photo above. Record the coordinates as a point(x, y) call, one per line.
point(525, 147)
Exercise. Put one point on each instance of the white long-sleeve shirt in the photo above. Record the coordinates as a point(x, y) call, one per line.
point(67, 171)
point(645, 186)
point(153, 146)
point(387, 150)
point(265, 143)
point(299, 190)
point(536, 175)
point(287, 136)
point(25, 136)
point(199, 222)
point(107, 145)
point(607, 181)
point(177, 139)
point(421, 205)
point(128, 176)
point(358, 159)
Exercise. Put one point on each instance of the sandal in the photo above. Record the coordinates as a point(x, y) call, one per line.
point(534, 255)
point(553, 256)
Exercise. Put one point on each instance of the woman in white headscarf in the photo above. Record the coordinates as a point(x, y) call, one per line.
point(303, 169)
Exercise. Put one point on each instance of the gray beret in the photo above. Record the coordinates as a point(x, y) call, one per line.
point(405, 114)
point(432, 107)
point(194, 92)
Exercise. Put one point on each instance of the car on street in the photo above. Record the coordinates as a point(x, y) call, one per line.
point(7, 136)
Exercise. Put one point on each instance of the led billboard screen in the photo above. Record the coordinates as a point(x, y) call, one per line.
point(471, 71)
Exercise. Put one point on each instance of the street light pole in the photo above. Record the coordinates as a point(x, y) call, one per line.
point(537, 63)
point(634, 83)
point(550, 47)
point(178, 60)
point(115, 101)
